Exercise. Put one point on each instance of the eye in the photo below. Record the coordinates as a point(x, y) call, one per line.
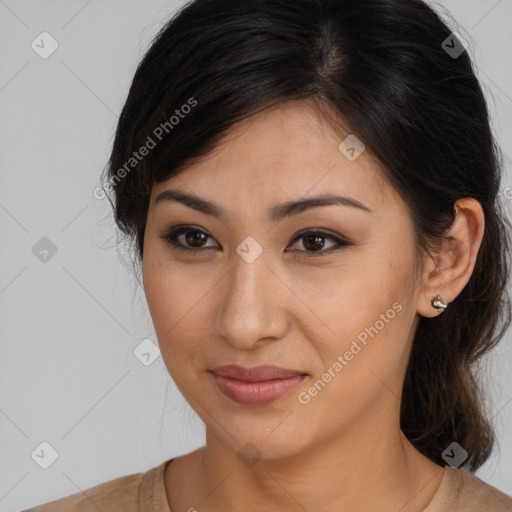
point(193, 236)
point(192, 240)
point(314, 243)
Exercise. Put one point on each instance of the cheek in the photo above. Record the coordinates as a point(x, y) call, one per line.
point(366, 315)
point(176, 303)
point(167, 289)
point(360, 367)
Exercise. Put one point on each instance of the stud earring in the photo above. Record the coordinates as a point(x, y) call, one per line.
point(439, 303)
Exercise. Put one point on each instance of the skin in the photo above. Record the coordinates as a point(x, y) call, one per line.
point(343, 450)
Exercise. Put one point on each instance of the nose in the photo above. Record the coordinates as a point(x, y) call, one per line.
point(252, 304)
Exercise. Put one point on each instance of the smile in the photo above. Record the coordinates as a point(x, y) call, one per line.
point(257, 386)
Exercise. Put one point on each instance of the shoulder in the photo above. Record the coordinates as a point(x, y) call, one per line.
point(121, 494)
point(461, 490)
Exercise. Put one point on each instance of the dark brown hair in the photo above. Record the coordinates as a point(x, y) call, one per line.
point(385, 67)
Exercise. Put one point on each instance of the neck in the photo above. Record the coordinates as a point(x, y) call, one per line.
point(365, 470)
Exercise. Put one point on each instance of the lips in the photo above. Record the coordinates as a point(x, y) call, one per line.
point(256, 386)
point(256, 374)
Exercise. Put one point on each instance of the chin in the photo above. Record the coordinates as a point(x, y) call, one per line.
point(261, 441)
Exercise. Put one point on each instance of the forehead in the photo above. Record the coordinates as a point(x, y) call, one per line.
point(284, 152)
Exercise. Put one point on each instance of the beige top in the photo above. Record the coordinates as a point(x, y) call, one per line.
point(459, 491)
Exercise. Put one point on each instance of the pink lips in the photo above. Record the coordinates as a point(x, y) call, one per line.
point(256, 386)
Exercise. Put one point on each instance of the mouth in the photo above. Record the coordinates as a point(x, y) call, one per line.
point(258, 385)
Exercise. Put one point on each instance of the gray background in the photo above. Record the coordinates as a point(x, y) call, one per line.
point(70, 324)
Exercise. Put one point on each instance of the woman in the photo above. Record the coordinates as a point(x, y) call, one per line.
point(311, 188)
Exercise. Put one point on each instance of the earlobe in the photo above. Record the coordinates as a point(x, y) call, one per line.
point(449, 271)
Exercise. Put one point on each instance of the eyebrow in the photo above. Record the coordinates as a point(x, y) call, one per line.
point(275, 213)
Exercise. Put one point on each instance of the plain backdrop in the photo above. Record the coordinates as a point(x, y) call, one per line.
point(72, 316)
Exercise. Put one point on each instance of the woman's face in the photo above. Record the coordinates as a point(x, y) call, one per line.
point(259, 290)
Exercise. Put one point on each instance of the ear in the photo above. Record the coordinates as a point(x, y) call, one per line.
point(449, 270)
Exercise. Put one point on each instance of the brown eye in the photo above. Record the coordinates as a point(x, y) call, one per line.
point(193, 240)
point(187, 238)
point(314, 242)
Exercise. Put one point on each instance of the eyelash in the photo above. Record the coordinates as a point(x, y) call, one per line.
point(172, 235)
